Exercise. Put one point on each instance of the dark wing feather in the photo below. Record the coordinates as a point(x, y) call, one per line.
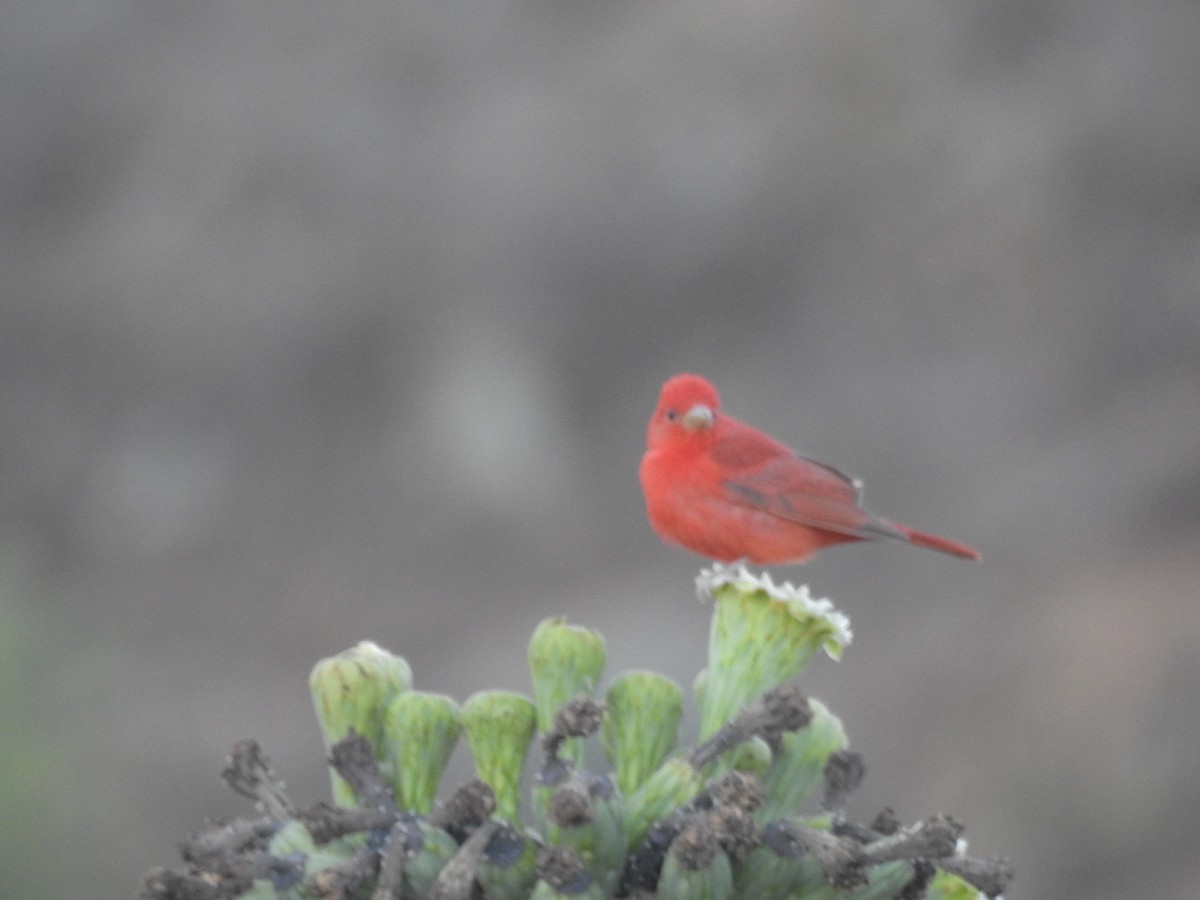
point(774, 479)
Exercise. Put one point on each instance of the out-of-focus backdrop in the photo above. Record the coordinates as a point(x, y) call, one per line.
point(324, 322)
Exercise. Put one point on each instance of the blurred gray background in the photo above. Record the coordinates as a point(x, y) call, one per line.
point(328, 322)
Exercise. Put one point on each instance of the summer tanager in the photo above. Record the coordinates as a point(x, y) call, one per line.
point(727, 491)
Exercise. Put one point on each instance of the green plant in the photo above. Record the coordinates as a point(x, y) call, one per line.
point(719, 819)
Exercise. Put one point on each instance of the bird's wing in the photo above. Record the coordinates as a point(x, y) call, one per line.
point(770, 477)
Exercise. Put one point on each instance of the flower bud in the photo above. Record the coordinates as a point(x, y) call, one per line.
point(762, 634)
point(425, 860)
point(499, 727)
point(419, 734)
point(641, 725)
point(586, 814)
point(799, 761)
point(564, 660)
point(352, 690)
point(508, 867)
point(696, 868)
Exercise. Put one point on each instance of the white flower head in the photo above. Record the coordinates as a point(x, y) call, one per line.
point(796, 598)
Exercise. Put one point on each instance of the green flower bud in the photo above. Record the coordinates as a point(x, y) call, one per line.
point(768, 875)
point(423, 863)
point(419, 734)
point(799, 762)
point(587, 815)
point(674, 783)
point(798, 861)
point(564, 660)
point(696, 868)
point(762, 635)
point(352, 690)
point(508, 867)
point(499, 727)
point(562, 874)
point(608, 839)
point(293, 839)
point(641, 725)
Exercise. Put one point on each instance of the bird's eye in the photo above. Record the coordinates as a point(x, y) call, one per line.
point(672, 415)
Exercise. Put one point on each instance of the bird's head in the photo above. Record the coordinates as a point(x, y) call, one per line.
point(687, 408)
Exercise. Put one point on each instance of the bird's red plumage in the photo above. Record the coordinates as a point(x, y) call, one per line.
point(727, 491)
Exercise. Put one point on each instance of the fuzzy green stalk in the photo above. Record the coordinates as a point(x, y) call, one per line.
point(799, 761)
point(419, 734)
point(762, 635)
point(674, 783)
point(499, 727)
point(641, 725)
point(564, 660)
point(352, 690)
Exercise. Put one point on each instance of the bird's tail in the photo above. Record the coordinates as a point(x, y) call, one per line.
point(933, 542)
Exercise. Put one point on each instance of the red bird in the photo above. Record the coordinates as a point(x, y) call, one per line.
point(727, 491)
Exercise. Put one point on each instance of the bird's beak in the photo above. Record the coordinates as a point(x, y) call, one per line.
point(699, 416)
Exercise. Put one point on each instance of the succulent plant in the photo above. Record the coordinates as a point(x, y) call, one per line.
point(719, 819)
